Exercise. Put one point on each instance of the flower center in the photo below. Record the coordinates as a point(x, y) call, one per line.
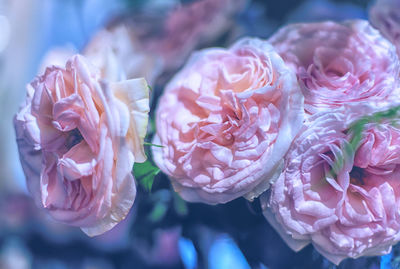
point(357, 175)
point(332, 72)
point(74, 137)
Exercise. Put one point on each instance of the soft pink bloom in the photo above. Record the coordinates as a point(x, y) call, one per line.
point(385, 16)
point(226, 121)
point(340, 63)
point(141, 39)
point(119, 54)
point(194, 24)
point(353, 212)
point(56, 56)
point(78, 137)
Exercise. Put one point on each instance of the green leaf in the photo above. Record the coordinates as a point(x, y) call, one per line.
point(158, 212)
point(152, 145)
point(152, 126)
point(356, 129)
point(145, 173)
point(180, 205)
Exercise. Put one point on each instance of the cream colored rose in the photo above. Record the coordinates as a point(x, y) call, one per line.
point(119, 55)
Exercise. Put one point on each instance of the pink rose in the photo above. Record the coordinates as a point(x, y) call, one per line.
point(340, 63)
point(385, 16)
point(226, 121)
point(78, 138)
point(352, 212)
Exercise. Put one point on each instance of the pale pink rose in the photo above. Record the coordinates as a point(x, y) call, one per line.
point(385, 16)
point(353, 212)
point(170, 34)
point(119, 54)
point(56, 56)
point(195, 24)
point(340, 63)
point(226, 121)
point(78, 137)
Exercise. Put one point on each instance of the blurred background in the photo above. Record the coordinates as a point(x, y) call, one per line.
point(161, 231)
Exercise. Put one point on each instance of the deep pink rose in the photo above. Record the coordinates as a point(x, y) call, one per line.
point(78, 137)
point(385, 16)
point(350, 211)
point(340, 63)
point(226, 121)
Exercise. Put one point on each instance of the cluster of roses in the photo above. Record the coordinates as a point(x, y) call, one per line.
point(281, 115)
point(283, 120)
